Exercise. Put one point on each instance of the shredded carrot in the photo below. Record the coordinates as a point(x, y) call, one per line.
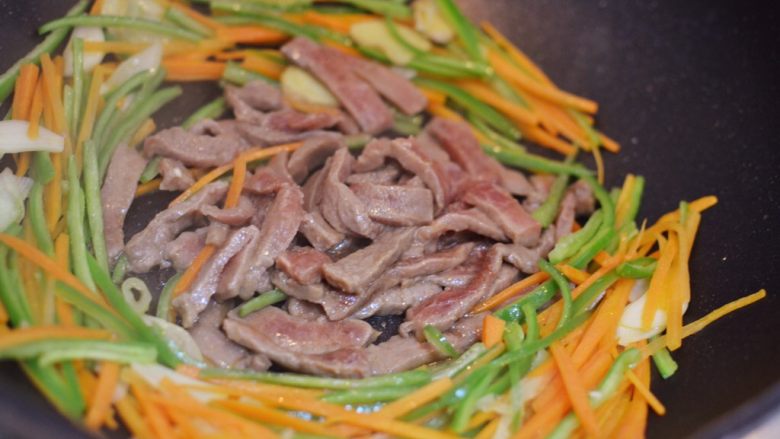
point(543, 138)
point(249, 156)
point(576, 390)
point(263, 65)
point(634, 419)
point(23, 91)
point(608, 144)
point(148, 187)
point(646, 393)
point(197, 16)
point(599, 164)
point(489, 430)
point(575, 275)
point(31, 334)
point(237, 183)
point(146, 128)
point(490, 97)
point(97, 7)
point(605, 319)
point(53, 195)
point(250, 35)
point(275, 417)
point(434, 97)
point(492, 330)
point(101, 400)
point(622, 205)
point(53, 93)
point(132, 418)
point(516, 54)
point(36, 110)
point(90, 110)
point(347, 50)
point(231, 55)
point(416, 399)
point(193, 70)
point(612, 412)
point(511, 291)
point(192, 271)
point(340, 23)
point(658, 283)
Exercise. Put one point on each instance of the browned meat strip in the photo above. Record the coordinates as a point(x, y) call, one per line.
point(565, 220)
point(175, 176)
point(472, 220)
point(253, 99)
point(583, 194)
point(442, 310)
point(394, 87)
point(396, 300)
point(313, 292)
point(303, 264)
point(360, 100)
point(396, 205)
point(198, 150)
point(303, 309)
point(312, 155)
point(190, 304)
point(386, 175)
point(355, 272)
point(496, 203)
point(312, 190)
point(340, 206)
point(515, 182)
point(213, 343)
point(145, 249)
point(403, 151)
point(183, 250)
point(408, 269)
point(266, 180)
point(541, 184)
point(232, 216)
point(318, 232)
point(232, 282)
point(217, 233)
point(117, 194)
point(459, 142)
point(527, 259)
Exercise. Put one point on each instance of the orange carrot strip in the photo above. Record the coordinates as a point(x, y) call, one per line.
point(578, 393)
point(272, 416)
point(132, 418)
point(608, 144)
point(573, 274)
point(36, 110)
point(237, 183)
point(53, 93)
point(511, 291)
point(434, 96)
point(492, 330)
point(30, 334)
point(97, 7)
point(250, 35)
point(263, 65)
point(193, 70)
point(656, 299)
point(197, 16)
point(192, 271)
point(599, 164)
point(543, 138)
point(490, 97)
point(148, 187)
point(416, 399)
point(340, 23)
point(516, 54)
point(155, 419)
point(101, 400)
point(634, 420)
point(23, 91)
point(607, 316)
point(90, 110)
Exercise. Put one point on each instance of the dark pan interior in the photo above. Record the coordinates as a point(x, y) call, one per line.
point(690, 89)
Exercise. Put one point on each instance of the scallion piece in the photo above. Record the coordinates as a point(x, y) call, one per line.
point(263, 300)
point(439, 341)
point(664, 362)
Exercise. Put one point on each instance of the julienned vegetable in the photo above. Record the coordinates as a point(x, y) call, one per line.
point(545, 362)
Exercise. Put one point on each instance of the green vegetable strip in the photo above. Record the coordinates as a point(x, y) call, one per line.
point(406, 125)
point(369, 395)
point(165, 355)
point(184, 21)
point(635, 199)
point(381, 7)
point(13, 301)
point(546, 213)
point(584, 300)
point(132, 122)
point(67, 104)
point(78, 85)
point(94, 204)
point(452, 368)
point(396, 34)
point(263, 300)
point(113, 98)
point(439, 341)
point(497, 138)
point(536, 163)
point(466, 31)
point(240, 76)
point(641, 268)
point(67, 399)
point(164, 301)
point(212, 110)
point(38, 219)
point(664, 362)
point(48, 45)
point(513, 338)
point(563, 287)
point(120, 268)
point(94, 311)
point(531, 347)
point(570, 244)
point(484, 111)
point(466, 408)
point(151, 170)
point(403, 379)
point(75, 222)
point(56, 350)
point(110, 21)
point(432, 65)
point(251, 14)
point(42, 167)
point(606, 389)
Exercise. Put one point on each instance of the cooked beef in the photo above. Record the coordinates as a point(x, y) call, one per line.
point(360, 100)
point(190, 304)
point(267, 180)
point(213, 343)
point(318, 232)
point(396, 300)
point(175, 176)
point(396, 205)
point(217, 233)
point(232, 282)
point(457, 139)
point(312, 155)
point(340, 206)
point(356, 271)
point(286, 126)
point(526, 259)
point(145, 249)
point(253, 99)
point(198, 150)
point(232, 216)
point(472, 220)
point(386, 175)
point(443, 309)
point(541, 183)
point(394, 87)
point(495, 202)
point(507, 275)
point(583, 195)
point(565, 219)
point(313, 292)
point(515, 182)
point(303, 264)
point(312, 190)
point(303, 309)
point(117, 194)
point(408, 269)
point(183, 250)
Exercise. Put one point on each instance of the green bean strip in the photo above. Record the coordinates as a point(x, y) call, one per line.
point(570, 244)
point(484, 111)
point(587, 297)
point(184, 21)
point(406, 125)
point(563, 287)
point(111, 21)
point(249, 13)
point(67, 399)
point(547, 212)
point(641, 268)
point(381, 7)
point(664, 362)
point(42, 167)
point(409, 378)
point(212, 110)
point(94, 204)
point(130, 124)
point(56, 350)
point(67, 104)
point(467, 33)
point(113, 98)
point(262, 301)
point(95, 311)
point(133, 101)
point(151, 170)
point(38, 219)
point(369, 395)
point(78, 85)
point(238, 75)
point(48, 45)
point(164, 301)
point(166, 355)
point(466, 408)
point(608, 386)
point(75, 222)
point(635, 200)
point(532, 162)
point(439, 341)
point(13, 301)
point(454, 367)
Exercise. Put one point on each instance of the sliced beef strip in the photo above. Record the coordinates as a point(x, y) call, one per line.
point(198, 150)
point(396, 300)
point(386, 175)
point(340, 206)
point(404, 152)
point(526, 259)
point(117, 195)
point(411, 268)
point(394, 87)
point(431, 148)
point(175, 176)
point(457, 139)
point(583, 195)
point(303, 309)
point(217, 233)
point(360, 100)
point(145, 249)
point(541, 183)
point(355, 272)
point(497, 204)
point(303, 264)
point(265, 134)
point(183, 250)
point(193, 301)
point(312, 190)
point(507, 275)
point(472, 220)
point(253, 99)
point(318, 232)
point(313, 292)
point(269, 179)
point(213, 343)
point(312, 155)
point(232, 216)
point(443, 309)
point(396, 205)
point(515, 182)
point(565, 219)
point(232, 282)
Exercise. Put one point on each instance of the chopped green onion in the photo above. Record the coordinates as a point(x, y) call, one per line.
point(439, 341)
point(263, 300)
point(664, 362)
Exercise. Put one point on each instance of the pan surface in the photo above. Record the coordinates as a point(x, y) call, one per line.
point(690, 89)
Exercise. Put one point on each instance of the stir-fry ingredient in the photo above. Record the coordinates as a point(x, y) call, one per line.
point(362, 165)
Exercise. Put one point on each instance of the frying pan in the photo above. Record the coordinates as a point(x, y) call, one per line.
point(690, 90)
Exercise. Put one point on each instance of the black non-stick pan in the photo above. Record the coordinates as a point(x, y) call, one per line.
point(691, 89)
